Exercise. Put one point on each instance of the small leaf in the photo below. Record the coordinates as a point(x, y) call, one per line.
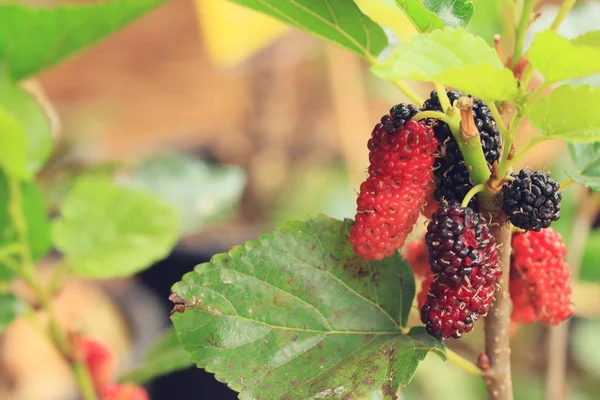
point(21, 106)
point(32, 39)
point(106, 230)
point(591, 39)
point(435, 14)
point(558, 58)
point(586, 158)
point(10, 308)
point(36, 219)
point(569, 113)
point(13, 151)
point(455, 58)
point(339, 21)
point(202, 193)
point(297, 315)
point(164, 357)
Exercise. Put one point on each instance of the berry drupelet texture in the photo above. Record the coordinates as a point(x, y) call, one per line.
point(531, 200)
point(540, 279)
point(465, 265)
point(452, 176)
point(400, 173)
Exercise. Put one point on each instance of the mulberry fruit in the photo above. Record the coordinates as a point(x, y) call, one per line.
point(465, 265)
point(531, 200)
point(540, 279)
point(400, 173)
point(452, 176)
point(459, 247)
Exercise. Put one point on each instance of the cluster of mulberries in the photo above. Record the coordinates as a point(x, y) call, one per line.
point(465, 265)
point(417, 167)
point(401, 156)
point(452, 176)
point(540, 279)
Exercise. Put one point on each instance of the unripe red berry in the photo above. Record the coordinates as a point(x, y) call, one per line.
point(540, 279)
point(400, 175)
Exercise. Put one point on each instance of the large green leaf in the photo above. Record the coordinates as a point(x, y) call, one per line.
point(591, 39)
point(455, 58)
point(202, 193)
point(558, 58)
point(34, 209)
point(569, 113)
point(106, 230)
point(32, 39)
point(338, 21)
point(34, 121)
point(10, 308)
point(435, 14)
point(297, 315)
point(165, 357)
point(488, 19)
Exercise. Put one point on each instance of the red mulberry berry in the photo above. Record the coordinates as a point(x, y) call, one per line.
point(392, 196)
point(540, 279)
point(465, 266)
point(531, 200)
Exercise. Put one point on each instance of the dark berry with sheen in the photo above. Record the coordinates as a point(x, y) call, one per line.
point(464, 262)
point(452, 177)
point(531, 200)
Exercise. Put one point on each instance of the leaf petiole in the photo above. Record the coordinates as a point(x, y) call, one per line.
point(472, 192)
point(463, 363)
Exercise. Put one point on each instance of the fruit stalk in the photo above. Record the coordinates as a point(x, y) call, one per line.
point(497, 374)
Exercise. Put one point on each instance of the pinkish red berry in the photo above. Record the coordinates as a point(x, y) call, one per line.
point(540, 279)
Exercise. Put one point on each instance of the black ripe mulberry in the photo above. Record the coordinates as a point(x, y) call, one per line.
point(464, 261)
point(452, 176)
point(531, 200)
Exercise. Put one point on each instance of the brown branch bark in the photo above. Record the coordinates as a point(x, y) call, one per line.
point(497, 371)
point(556, 369)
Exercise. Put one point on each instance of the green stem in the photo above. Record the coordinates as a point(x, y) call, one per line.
point(27, 271)
point(472, 192)
point(463, 363)
point(499, 119)
point(566, 183)
point(522, 30)
point(442, 96)
point(435, 115)
point(562, 13)
point(408, 92)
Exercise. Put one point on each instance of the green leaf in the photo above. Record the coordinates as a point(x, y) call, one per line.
point(13, 151)
point(338, 21)
point(22, 107)
point(202, 193)
point(455, 58)
point(36, 219)
point(435, 14)
point(586, 158)
point(488, 19)
point(10, 308)
point(297, 315)
point(106, 230)
point(558, 58)
point(591, 39)
point(32, 39)
point(569, 113)
point(165, 357)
